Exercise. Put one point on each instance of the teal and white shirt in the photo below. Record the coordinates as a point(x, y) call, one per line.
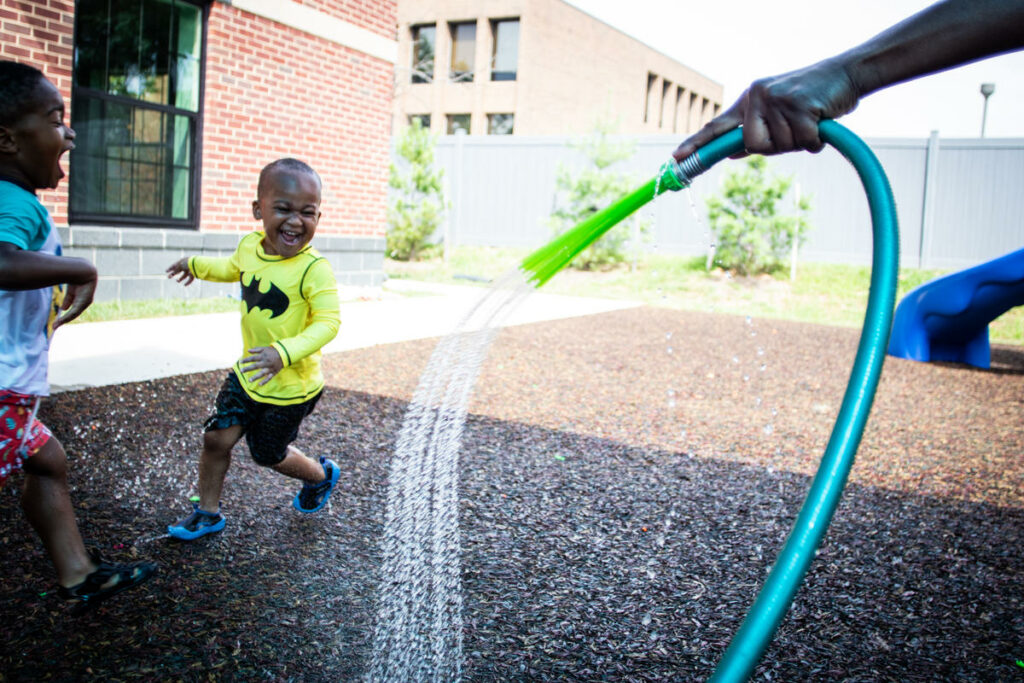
point(27, 315)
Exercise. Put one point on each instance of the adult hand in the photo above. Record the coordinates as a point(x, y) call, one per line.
point(265, 361)
point(781, 113)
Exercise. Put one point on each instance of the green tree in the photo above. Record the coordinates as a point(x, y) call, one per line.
point(580, 194)
point(416, 204)
point(750, 234)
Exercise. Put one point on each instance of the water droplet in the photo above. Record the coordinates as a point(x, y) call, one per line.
point(748, 320)
point(735, 359)
point(768, 429)
point(669, 349)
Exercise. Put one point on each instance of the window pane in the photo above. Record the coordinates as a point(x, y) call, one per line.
point(143, 49)
point(499, 124)
point(506, 50)
point(458, 123)
point(423, 53)
point(131, 161)
point(424, 120)
point(463, 51)
point(185, 57)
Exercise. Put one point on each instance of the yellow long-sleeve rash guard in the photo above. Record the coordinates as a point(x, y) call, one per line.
point(288, 303)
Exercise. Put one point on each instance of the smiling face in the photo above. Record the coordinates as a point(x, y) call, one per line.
point(288, 203)
point(31, 147)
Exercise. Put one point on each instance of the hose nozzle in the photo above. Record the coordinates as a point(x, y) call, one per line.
point(675, 175)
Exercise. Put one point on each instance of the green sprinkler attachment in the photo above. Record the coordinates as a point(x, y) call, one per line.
point(759, 626)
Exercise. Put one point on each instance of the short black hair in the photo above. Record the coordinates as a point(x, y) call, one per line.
point(18, 83)
point(288, 164)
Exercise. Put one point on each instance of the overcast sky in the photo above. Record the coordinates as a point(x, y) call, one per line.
point(734, 43)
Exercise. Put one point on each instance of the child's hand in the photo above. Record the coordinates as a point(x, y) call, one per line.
point(264, 359)
point(180, 269)
point(76, 300)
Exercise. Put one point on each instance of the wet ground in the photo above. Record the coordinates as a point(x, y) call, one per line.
point(626, 481)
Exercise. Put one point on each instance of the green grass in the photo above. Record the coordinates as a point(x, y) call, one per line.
point(822, 293)
point(154, 308)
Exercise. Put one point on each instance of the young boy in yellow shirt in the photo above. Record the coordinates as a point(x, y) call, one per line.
point(289, 312)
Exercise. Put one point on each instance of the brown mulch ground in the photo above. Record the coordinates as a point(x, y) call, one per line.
point(626, 481)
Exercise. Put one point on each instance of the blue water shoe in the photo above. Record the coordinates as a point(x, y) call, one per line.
point(313, 497)
point(197, 524)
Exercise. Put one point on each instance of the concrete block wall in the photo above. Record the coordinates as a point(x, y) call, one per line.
point(133, 261)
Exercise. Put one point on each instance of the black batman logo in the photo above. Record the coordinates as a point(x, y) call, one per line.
point(273, 300)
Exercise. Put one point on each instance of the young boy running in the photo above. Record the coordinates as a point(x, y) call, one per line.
point(289, 311)
point(33, 303)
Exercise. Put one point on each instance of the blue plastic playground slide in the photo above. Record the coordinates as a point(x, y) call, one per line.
point(947, 319)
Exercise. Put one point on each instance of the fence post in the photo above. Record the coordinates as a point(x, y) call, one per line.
point(931, 167)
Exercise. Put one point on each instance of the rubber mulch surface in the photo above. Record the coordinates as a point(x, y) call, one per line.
point(627, 480)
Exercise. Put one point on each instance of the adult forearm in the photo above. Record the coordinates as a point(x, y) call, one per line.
point(942, 36)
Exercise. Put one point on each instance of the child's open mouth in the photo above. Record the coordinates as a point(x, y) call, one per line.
point(290, 238)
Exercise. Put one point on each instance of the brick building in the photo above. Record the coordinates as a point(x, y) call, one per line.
point(177, 105)
point(537, 67)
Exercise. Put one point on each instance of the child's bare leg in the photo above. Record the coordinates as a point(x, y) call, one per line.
point(297, 466)
point(214, 461)
point(47, 505)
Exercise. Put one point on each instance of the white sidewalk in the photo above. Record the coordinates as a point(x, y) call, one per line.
point(97, 354)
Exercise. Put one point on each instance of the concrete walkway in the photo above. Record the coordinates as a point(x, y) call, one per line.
point(97, 354)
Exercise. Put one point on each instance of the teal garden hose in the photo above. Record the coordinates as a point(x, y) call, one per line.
point(763, 619)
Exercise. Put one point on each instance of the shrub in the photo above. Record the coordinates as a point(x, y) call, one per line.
point(751, 236)
point(416, 204)
point(580, 195)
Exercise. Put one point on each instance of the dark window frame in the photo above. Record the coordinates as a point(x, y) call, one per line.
point(80, 93)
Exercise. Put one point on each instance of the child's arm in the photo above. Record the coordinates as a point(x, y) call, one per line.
point(321, 290)
point(21, 269)
point(179, 269)
point(214, 269)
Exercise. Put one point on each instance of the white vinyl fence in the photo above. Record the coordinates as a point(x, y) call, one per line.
point(960, 201)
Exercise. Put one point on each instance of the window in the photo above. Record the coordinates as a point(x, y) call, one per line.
point(424, 120)
point(423, 41)
point(458, 123)
point(463, 51)
point(506, 49)
point(135, 94)
point(651, 79)
point(666, 88)
point(499, 124)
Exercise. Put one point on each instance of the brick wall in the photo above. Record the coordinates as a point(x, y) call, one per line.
point(378, 17)
point(39, 33)
point(272, 91)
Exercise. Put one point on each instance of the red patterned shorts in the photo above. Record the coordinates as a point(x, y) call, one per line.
point(21, 433)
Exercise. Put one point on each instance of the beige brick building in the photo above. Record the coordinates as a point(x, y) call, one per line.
point(537, 67)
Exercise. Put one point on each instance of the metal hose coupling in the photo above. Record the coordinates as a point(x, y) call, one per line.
point(675, 175)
